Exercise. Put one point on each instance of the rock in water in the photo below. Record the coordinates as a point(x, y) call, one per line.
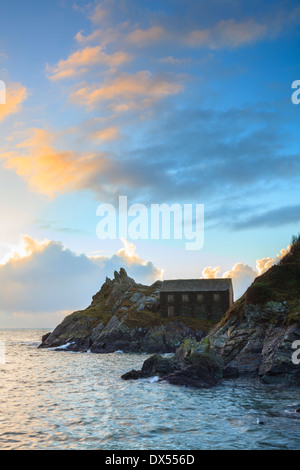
point(193, 365)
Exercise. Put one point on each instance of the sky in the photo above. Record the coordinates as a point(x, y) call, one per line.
point(165, 102)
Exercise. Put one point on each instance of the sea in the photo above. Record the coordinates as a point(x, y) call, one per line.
point(62, 400)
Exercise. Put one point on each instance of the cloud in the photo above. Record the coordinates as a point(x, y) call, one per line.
point(82, 60)
point(185, 155)
point(26, 248)
point(272, 218)
point(16, 94)
point(98, 14)
point(200, 26)
point(50, 171)
point(243, 275)
point(142, 37)
point(127, 257)
point(107, 134)
point(210, 273)
point(227, 34)
point(263, 264)
point(173, 61)
point(41, 280)
point(132, 91)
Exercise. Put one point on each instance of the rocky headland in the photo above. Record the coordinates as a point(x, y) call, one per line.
point(124, 316)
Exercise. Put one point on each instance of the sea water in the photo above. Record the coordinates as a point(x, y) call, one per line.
point(61, 400)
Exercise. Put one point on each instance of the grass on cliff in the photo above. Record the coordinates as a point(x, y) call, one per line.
point(100, 310)
point(281, 282)
point(143, 319)
point(146, 318)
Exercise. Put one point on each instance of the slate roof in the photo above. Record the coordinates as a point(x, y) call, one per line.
point(196, 285)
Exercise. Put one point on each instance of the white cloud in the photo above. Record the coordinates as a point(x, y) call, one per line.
point(263, 264)
point(42, 281)
point(243, 275)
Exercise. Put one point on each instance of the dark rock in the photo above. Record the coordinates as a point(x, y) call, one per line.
point(158, 365)
point(193, 365)
point(230, 372)
point(132, 375)
point(193, 376)
point(155, 365)
point(45, 337)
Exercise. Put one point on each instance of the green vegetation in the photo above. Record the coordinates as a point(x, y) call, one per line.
point(258, 293)
point(280, 283)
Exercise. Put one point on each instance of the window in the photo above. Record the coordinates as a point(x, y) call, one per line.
point(170, 298)
point(217, 297)
point(185, 298)
point(170, 311)
point(200, 298)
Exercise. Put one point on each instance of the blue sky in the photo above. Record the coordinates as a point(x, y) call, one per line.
point(184, 102)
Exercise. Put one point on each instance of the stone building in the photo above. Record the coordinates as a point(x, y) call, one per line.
point(206, 299)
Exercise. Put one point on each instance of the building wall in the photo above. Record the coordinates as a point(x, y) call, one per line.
point(201, 305)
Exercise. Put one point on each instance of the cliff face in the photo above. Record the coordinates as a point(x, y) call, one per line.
point(124, 316)
point(254, 338)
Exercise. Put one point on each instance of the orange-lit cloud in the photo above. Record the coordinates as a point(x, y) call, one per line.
point(107, 134)
point(263, 264)
point(26, 248)
point(243, 275)
point(210, 273)
point(16, 94)
point(227, 33)
point(223, 34)
point(80, 62)
point(98, 14)
point(50, 171)
point(128, 257)
point(170, 60)
point(139, 90)
point(142, 37)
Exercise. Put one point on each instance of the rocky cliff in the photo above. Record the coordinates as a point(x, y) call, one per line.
point(124, 316)
point(254, 339)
